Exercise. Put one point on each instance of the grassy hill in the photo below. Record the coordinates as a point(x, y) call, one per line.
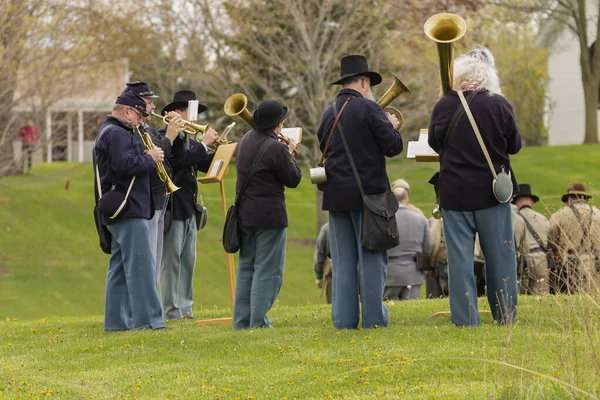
point(50, 262)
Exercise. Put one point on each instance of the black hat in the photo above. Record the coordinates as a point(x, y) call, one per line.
point(180, 100)
point(268, 114)
point(140, 88)
point(525, 191)
point(356, 65)
point(576, 190)
point(133, 100)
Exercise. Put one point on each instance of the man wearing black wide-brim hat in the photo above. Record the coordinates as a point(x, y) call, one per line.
point(574, 237)
point(123, 170)
point(262, 214)
point(184, 215)
point(371, 136)
point(531, 243)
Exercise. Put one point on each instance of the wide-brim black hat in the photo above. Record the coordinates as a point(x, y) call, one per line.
point(268, 114)
point(525, 191)
point(356, 65)
point(180, 100)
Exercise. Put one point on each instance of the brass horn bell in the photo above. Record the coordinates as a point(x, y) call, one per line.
point(237, 105)
point(397, 88)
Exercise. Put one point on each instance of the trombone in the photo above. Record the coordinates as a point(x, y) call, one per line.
point(189, 128)
point(237, 105)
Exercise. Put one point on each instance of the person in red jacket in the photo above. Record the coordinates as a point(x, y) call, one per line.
point(29, 137)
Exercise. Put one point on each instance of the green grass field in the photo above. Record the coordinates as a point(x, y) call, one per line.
point(50, 262)
point(52, 281)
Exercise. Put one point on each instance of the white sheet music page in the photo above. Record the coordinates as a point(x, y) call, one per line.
point(215, 168)
point(420, 146)
point(293, 133)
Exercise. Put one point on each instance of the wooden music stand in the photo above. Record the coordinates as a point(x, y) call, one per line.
point(422, 142)
point(216, 173)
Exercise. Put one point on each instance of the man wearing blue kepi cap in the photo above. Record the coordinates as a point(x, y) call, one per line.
point(123, 172)
point(160, 197)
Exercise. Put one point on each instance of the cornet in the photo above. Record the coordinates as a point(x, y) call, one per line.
point(189, 128)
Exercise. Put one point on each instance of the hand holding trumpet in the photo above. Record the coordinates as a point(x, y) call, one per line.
point(174, 126)
point(393, 119)
point(210, 137)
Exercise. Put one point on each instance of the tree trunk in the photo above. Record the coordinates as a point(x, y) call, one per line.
point(590, 92)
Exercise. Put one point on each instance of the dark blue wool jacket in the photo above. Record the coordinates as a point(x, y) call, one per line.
point(465, 182)
point(187, 158)
point(371, 137)
point(119, 158)
point(263, 204)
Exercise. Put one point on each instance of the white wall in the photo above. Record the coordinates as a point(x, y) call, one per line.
point(567, 114)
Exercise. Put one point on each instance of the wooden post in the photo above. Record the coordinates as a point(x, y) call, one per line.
point(216, 173)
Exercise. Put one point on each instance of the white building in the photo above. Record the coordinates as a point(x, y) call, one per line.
point(566, 109)
point(85, 94)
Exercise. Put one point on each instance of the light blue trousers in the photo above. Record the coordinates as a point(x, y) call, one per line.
point(131, 296)
point(157, 228)
point(259, 276)
point(495, 229)
point(177, 269)
point(345, 237)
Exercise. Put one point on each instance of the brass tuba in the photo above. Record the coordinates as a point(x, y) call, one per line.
point(160, 168)
point(444, 29)
point(237, 105)
point(397, 88)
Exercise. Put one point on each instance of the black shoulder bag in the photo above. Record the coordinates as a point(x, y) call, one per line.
point(103, 233)
point(379, 228)
point(231, 229)
point(538, 239)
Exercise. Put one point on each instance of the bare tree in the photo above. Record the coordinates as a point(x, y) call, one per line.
point(582, 18)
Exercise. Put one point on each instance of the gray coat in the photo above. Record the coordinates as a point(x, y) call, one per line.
point(415, 237)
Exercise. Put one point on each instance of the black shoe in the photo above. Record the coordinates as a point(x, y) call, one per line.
point(166, 328)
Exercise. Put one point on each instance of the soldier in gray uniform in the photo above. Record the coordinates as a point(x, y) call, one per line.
point(323, 266)
point(403, 279)
point(574, 238)
point(531, 243)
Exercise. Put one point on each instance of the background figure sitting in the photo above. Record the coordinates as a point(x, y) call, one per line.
point(323, 267)
point(29, 138)
point(403, 279)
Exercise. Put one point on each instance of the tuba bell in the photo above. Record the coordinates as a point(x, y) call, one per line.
point(397, 88)
point(444, 29)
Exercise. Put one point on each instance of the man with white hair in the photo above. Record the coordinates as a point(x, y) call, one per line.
point(467, 201)
point(404, 277)
point(401, 183)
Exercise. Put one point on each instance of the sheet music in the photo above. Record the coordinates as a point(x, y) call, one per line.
point(215, 168)
point(293, 133)
point(419, 147)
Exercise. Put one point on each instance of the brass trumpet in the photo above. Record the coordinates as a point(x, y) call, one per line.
point(237, 105)
point(160, 168)
point(189, 128)
point(397, 88)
